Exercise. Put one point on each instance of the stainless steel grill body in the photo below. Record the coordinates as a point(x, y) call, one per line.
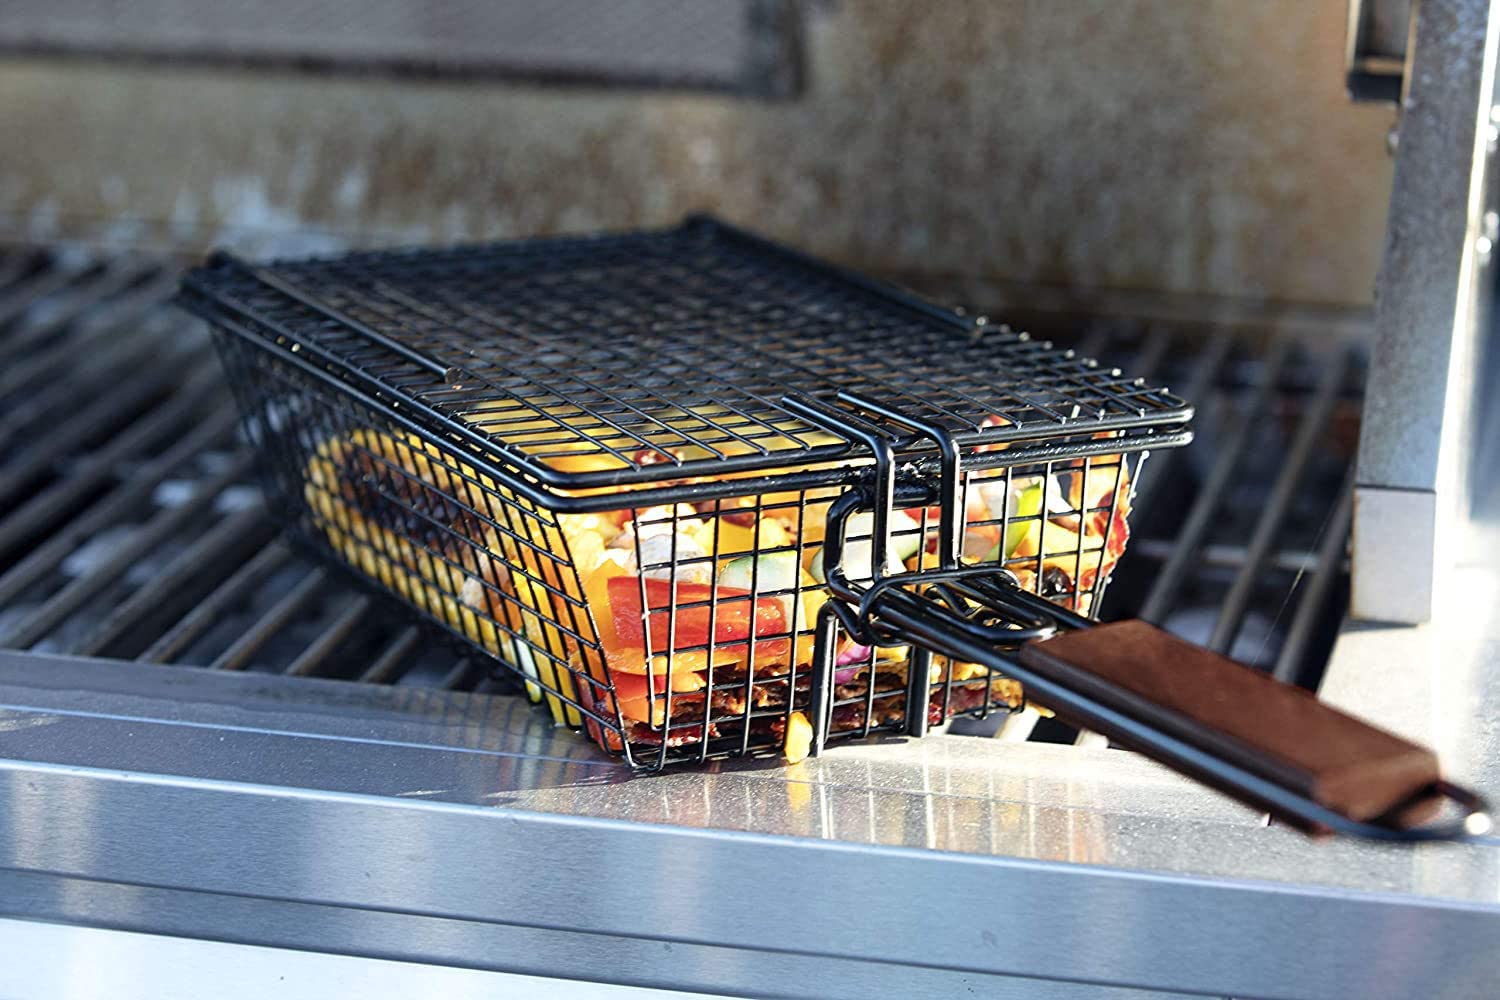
point(451, 829)
point(428, 816)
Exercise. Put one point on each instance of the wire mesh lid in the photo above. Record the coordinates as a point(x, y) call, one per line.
point(655, 356)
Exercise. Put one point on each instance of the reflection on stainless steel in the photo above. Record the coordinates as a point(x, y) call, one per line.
point(444, 806)
point(1438, 682)
point(129, 965)
point(546, 952)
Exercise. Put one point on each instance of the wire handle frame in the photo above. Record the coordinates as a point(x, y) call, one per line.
point(978, 614)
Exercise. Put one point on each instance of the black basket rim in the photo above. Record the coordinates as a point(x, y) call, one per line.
point(213, 292)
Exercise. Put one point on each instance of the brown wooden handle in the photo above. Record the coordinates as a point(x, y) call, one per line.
point(1266, 743)
point(1273, 730)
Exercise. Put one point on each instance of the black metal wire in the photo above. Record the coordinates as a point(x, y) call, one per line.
point(429, 419)
point(85, 477)
point(627, 349)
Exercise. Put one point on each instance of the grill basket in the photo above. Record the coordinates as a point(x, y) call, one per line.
point(609, 463)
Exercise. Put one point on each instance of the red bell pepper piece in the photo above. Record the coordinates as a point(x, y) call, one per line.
point(731, 622)
point(630, 687)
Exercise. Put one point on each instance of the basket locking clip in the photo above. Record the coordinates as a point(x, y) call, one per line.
point(985, 599)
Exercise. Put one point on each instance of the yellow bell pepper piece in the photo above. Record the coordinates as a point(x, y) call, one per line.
point(799, 737)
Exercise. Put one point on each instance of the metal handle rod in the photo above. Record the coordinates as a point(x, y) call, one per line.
point(950, 486)
point(911, 617)
point(883, 488)
point(979, 615)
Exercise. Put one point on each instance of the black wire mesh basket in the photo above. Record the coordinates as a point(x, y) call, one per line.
point(616, 464)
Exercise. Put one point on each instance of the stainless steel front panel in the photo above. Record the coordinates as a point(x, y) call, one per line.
point(1431, 316)
point(135, 966)
point(464, 828)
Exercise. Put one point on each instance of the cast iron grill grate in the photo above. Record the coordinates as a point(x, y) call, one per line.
point(96, 445)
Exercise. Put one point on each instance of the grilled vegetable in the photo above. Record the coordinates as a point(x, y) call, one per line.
point(906, 539)
point(1027, 505)
point(778, 571)
point(768, 533)
point(769, 572)
point(798, 742)
point(679, 617)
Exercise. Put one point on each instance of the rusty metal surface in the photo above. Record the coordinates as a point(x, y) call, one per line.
point(1378, 35)
point(708, 44)
point(1203, 148)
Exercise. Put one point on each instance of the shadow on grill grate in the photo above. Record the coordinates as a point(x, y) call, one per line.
point(131, 529)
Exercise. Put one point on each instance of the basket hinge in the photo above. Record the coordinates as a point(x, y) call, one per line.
point(878, 494)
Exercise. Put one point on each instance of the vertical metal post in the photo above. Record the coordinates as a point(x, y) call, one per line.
point(1430, 305)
